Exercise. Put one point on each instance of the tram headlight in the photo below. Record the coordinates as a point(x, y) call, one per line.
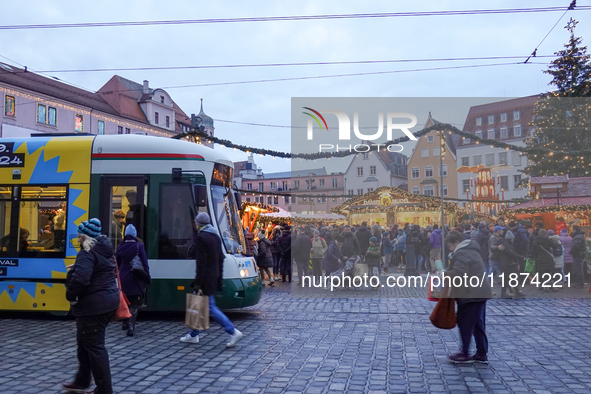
point(242, 273)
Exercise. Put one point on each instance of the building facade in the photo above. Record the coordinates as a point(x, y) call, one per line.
point(370, 170)
point(425, 164)
point(507, 121)
point(37, 104)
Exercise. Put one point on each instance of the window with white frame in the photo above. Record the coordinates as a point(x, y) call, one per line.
point(444, 170)
point(425, 152)
point(286, 199)
point(490, 159)
point(249, 186)
point(504, 117)
point(359, 192)
point(465, 185)
point(516, 115)
point(334, 199)
point(490, 134)
point(262, 186)
point(156, 117)
point(479, 121)
point(284, 185)
point(465, 161)
point(296, 184)
point(269, 200)
point(365, 156)
point(517, 182)
point(467, 140)
point(477, 159)
point(504, 132)
point(416, 190)
point(430, 138)
point(321, 182)
point(428, 171)
point(478, 134)
point(370, 189)
point(335, 183)
point(503, 158)
point(359, 171)
point(372, 170)
point(444, 190)
point(100, 127)
point(436, 151)
point(119, 129)
point(428, 190)
point(350, 192)
point(516, 159)
point(127, 130)
point(273, 186)
point(517, 130)
point(491, 119)
point(415, 173)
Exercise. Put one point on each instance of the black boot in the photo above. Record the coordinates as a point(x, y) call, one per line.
point(132, 319)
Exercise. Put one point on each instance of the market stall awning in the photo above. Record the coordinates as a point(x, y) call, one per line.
point(546, 202)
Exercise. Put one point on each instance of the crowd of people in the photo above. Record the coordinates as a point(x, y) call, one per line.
point(318, 249)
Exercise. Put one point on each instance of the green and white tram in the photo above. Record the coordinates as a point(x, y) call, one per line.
point(49, 184)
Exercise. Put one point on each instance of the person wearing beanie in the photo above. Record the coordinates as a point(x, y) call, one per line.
point(265, 258)
point(91, 288)
point(133, 284)
point(209, 261)
point(544, 251)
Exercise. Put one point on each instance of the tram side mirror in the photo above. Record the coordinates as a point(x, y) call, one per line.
point(238, 198)
point(200, 194)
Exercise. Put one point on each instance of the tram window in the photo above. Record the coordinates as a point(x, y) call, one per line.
point(177, 213)
point(125, 208)
point(42, 221)
point(5, 214)
point(228, 220)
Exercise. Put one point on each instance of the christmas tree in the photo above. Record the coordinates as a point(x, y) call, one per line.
point(562, 117)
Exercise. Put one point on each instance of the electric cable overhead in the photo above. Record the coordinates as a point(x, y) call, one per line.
point(285, 64)
point(289, 18)
point(571, 7)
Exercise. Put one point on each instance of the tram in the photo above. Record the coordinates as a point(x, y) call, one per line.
point(50, 184)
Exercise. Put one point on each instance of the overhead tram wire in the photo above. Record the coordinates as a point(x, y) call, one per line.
point(290, 18)
point(286, 64)
point(571, 7)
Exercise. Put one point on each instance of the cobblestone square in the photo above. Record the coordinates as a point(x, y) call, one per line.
point(316, 345)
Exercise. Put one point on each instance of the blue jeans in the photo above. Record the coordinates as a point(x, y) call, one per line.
point(420, 260)
point(494, 267)
point(218, 316)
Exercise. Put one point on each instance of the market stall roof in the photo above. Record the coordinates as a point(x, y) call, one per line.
point(318, 216)
point(552, 201)
point(279, 214)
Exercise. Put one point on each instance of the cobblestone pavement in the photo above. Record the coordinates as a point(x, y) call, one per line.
point(312, 345)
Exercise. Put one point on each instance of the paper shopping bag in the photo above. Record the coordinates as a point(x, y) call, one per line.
point(197, 311)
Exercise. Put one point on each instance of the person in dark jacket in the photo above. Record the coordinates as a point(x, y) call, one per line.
point(577, 250)
point(543, 254)
point(532, 238)
point(133, 287)
point(510, 261)
point(363, 235)
point(351, 245)
point(301, 254)
point(482, 240)
point(333, 259)
point(265, 258)
point(284, 249)
point(414, 246)
point(91, 288)
point(471, 300)
point(435, 242)
point(209, 260)
point(275, 252)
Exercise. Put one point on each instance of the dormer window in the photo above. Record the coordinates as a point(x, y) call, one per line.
point(162, 99)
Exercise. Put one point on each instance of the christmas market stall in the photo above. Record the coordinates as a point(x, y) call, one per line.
point(276, 217)
point(387, 206)
point(251, 213)
point(559, 202)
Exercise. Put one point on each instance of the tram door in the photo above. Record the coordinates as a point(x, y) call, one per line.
point(123, 202)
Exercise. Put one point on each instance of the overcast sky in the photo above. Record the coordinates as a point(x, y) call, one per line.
point(287, 42)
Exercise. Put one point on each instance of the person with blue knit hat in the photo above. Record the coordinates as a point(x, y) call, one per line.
point(133, 284)
point(209, 260)
point(91, 288)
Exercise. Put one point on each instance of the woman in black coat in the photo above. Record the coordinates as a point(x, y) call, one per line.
point(91, 288)
point(543, 254)
point(470, 297)
point(509, 260)
point(265, 258)
point(133, 286)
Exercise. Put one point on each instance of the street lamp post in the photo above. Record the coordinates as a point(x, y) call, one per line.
point(441, 154)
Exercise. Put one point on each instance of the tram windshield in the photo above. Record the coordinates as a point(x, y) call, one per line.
point(228, 219)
